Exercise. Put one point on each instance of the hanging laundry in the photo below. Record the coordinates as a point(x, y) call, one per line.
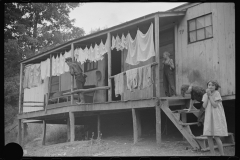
point(66, 55)
point(140, 77)
point(48, 67)
point(145, 45)
point(75, 53)
point(27, 71)
point(45, 85)
point(132, 51)
point(61, 63)
point(119, 84)
point(43, 69)
point(96, 52)
point(31, 76)
point(53, 66)
point(36, 75)
point(147, 76)
point(118, 43)
point(58, 65)
point(132, 79)
point(113, 43)
point(123, 42)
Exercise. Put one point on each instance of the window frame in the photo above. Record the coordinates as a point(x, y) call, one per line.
point(55, 83)
point(188, 26)
point(92, 63)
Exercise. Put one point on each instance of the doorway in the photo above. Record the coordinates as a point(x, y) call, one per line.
point(116, 62)
point(166, 40)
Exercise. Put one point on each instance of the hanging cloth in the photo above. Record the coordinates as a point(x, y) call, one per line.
point(48, 67)
point(43, 69)
point(61, 64)
point(119, 84)
point(58, 65)
point(147, 76)
point(123, 42)
point(140, 77)
point(53, 66)
point(132, 79)
point(113, 43)
point(36, 75)
point(27, 71)
point(86, 53)
point(31, 76)
point(145, 45)
point(132, 51)
point(66, 55)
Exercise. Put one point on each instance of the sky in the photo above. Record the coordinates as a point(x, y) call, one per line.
point(94, 15)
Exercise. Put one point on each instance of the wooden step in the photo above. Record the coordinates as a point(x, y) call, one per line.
point(188, 124)
point(185, 111)
point(203, 142)
point(215, 146)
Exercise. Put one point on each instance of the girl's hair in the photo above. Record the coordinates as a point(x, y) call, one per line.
point(217, 86)
point(167, 53)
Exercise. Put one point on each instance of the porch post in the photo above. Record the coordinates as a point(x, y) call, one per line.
point(109, 66)
point(72, 126)
point(20, 132)
point(21, 89)
point(99, 125)
point(68, 129)
point(157, 80)
point(136, 125)
point(72, 77)
point(49, 84)
point(44, 132)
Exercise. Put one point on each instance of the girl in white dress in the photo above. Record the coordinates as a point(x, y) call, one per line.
point(215, 125)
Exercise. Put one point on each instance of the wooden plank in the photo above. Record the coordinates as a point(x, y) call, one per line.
point(158, 125)
point(135, 126)
point(144, 103)
point(99, 125)
point(139, 123)
point(20, 89)
point(68, 129)
point(25, 133)
point(44, 133)
point(157, 68)
point(88, 90)
point(72, 77)
point(183, 116)
point(109, 66)
point(72, 126)
point(185, 131)
point(20, 132)
point(49, 82)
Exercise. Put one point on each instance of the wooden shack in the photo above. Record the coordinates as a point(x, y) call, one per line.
point(201, 40)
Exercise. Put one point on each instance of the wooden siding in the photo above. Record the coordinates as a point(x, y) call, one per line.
point(211, 59)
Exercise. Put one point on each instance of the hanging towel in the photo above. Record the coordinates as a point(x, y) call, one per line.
point(26, 77)
point(145, 45)
point(53, 66)
point(118, 43)
point(140, 77)
point(36, 75)
point(102, 49)
point(48, 67)
point(31, 76)
point(43, 69)
point(132, 79)
point(66, 67)
point(119, 84)
point(57, 66)
point(113, 43)
point(132, 51)
point(123, 42)
point(147, 76)
point(61, 63)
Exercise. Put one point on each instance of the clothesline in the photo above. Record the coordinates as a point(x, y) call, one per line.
point(152, 64)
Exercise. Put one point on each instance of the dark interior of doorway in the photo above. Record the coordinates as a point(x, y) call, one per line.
point(116, 61)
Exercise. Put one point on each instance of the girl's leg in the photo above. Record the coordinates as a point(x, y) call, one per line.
point(211, 145)
point(220, 146)
point(165, 84)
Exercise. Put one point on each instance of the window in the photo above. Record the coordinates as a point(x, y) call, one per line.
point(89, 66)
point(200, 28)
point(55, 84)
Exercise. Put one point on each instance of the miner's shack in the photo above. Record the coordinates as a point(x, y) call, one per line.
point(201, 40)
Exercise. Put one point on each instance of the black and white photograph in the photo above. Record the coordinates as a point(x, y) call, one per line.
point(120, 79)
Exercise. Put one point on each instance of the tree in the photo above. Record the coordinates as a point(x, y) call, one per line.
point(97, 29)
point(38, 25)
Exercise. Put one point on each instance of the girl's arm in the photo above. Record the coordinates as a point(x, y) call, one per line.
point(213, 102)
point(205, 100)
point(171, 63)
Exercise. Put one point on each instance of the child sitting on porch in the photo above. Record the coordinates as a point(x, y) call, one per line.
point(168, 75)
point(215, 124)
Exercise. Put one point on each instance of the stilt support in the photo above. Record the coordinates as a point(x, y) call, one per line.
point(158, 124)
point(136, 125)
point(72, 126)
point(68, 129)
point(44, 133)
point(99, 126)
point(20, 132)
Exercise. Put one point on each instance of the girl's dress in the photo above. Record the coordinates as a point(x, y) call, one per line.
point(215, 121)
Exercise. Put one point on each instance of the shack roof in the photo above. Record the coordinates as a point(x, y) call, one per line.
point(103, 34)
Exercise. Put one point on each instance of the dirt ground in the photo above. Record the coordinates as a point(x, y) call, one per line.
point(117, 146)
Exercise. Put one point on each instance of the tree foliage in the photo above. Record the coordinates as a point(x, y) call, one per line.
point(31, 28)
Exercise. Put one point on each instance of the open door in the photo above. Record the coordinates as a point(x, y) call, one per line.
point(166, 40)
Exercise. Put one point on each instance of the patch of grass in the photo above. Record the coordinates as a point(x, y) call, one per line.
point(56, 133)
